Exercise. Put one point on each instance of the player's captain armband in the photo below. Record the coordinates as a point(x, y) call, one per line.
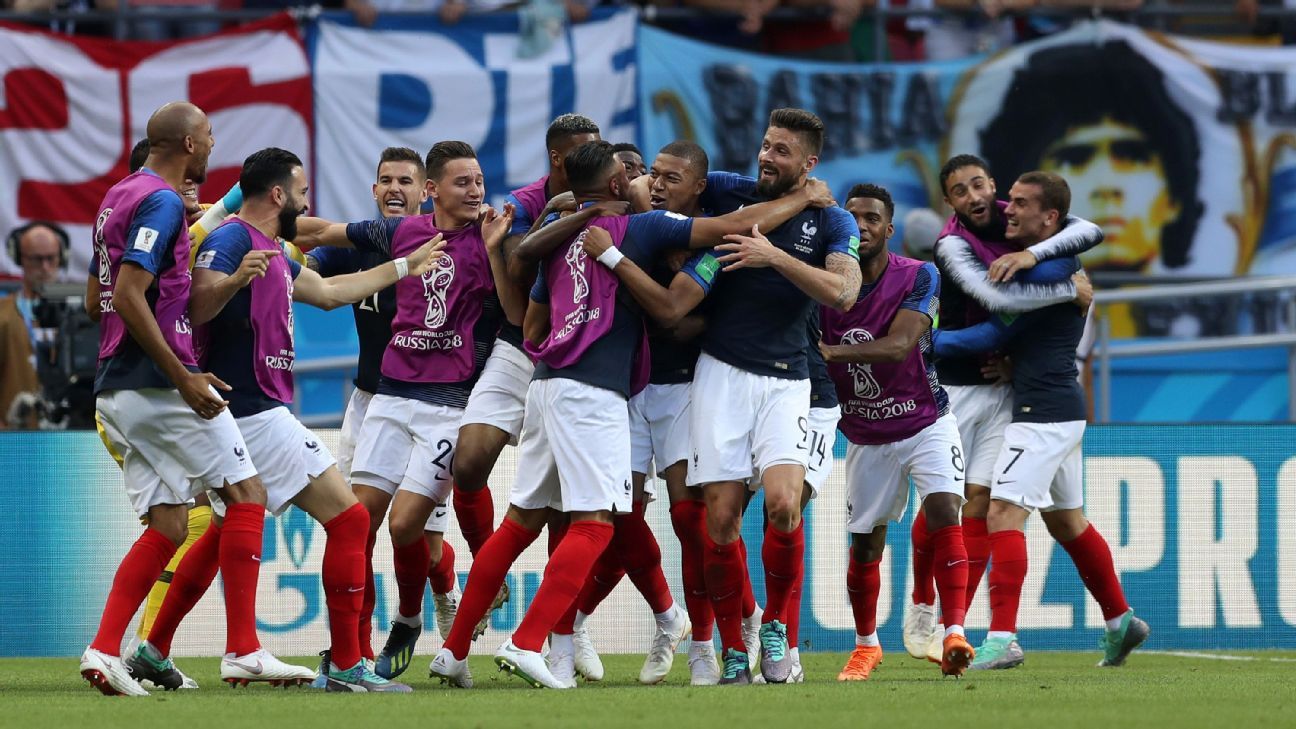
point(144, 240)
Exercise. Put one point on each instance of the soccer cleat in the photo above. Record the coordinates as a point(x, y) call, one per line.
point(1118, 644)
point(936, 647)
point(798, 673)
point(147, 664)
point(588, 663)
point(447, 606)
point(501, 598)
point(956, 656)
point(998, 653)
point(321, 673)
point(703, 669)
point(751, 626)
point(360, 679)
point(861, 663)
point(398, 653)
point(661, 656)
point(561, 659)
point(776, 659)
point(737, 668)
point(260, 666)
point(451, 670)
point(109, 674)
point(919, 624)
point(526, 665)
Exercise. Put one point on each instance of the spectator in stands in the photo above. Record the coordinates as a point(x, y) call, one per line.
point(160, 20)
point(1284, 27)
point(1035, 25)
point(40, 250)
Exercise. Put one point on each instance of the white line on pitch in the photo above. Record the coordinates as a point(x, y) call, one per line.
point(1220, 656)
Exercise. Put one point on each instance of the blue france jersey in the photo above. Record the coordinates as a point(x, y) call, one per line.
point(757, 318)
point(373, 315)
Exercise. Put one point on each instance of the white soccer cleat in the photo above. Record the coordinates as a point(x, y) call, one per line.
point(451, 670)
point(526, 665)
point(561, 659)
point(751, 626)
point(260, 666)
point(447, 606)
point(919, 623)
point(936, 648)
point(588, 663)
point(798, 673)
point(703, 668)
point(109, 675)
point(661, 656)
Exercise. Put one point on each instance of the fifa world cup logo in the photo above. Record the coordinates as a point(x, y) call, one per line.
point(292, 335)
point(436, 287)
point(101, 248)
point(866, 386)
point(576, 258)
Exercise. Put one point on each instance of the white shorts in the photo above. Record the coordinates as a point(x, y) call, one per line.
point(1040, 466)
point(818, 440)
point(407, 444)
point(288, 455)
point(352, 419)
point(439, 520)
point(741, 422)
point(168, 453)
point(983, 412)
point(575, 449)
point(659, 428)
point(500, 394)
point(877, 476)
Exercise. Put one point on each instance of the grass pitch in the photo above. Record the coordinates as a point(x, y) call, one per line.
point(1052, 691)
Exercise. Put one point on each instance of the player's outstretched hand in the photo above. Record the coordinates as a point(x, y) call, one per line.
point(196, 389)
point(1007, 265)
point(748, 251)
point(1084, 291)
point(595, 241)
point(495, 226)
point(563, 202)
point(425, 257)
point(640, 193)
point(254, 265)
point(820, 194)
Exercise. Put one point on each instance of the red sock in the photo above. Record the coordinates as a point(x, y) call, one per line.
point(568, 568)
point(442, 574)
point(977, 541)
point(1008, 552)
point(1093, 561)
point(784, 557)
point(924, 589)
point(240, 565)
point(689, 520)
point(189, 583)
point(604, 577)
point(365, 625)
point(411, 562)
point(748, 595)
point(138, 570)
point(949, 564)
point(794, 612)
point(863, 583)
point(634, 543)
point(724, 570)
point(476, 513)
point(489, 568)
point(343, 574)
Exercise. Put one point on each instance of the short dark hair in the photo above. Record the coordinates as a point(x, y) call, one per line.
point(692, 152)
point(403, 154)
point(442, 153)
point(958, 162)
point(569, 125)
point(1055, 192)
point(626, 147)
point(139, 155)
point(264, 169)
point(804, 123)
point(587, 165)
point(874, 192)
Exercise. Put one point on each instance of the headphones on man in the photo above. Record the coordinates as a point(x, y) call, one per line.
point(15, 250)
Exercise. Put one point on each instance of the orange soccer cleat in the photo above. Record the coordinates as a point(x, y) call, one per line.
point(861, 663)
point(958, 654)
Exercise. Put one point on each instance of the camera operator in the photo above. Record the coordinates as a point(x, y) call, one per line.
point(40, 250)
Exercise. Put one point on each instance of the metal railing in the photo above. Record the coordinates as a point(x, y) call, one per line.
point(1168, 292)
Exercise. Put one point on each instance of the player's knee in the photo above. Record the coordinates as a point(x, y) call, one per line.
point(784, 512)
point(724, 525)
point(1066, 524)
point(471, 468)
point(1003, 516)
point(868, 547)
point(978, 502)
point(405, 527)
point(247, 491)
point(942, 511)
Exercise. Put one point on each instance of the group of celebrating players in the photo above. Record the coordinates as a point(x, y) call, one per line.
point(615, 321)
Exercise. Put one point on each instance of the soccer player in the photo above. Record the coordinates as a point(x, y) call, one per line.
point(244, 289)
point(630, 156)
point(159, 412)
point(897, 419)
point(972, 243)
point(442, 335)
point(751, 389)
point(399, 190)
point(1040, 463)
point(576, 438)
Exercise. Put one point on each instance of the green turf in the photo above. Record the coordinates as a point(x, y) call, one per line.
point(1052, 691)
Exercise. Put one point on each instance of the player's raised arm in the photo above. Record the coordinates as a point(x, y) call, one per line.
point(667, 306)
point(540, 242)
point(965, 270)
point(495, 227)
point(709, 232)
point(1076, 236)
point(334, 291)
point(314, 232)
